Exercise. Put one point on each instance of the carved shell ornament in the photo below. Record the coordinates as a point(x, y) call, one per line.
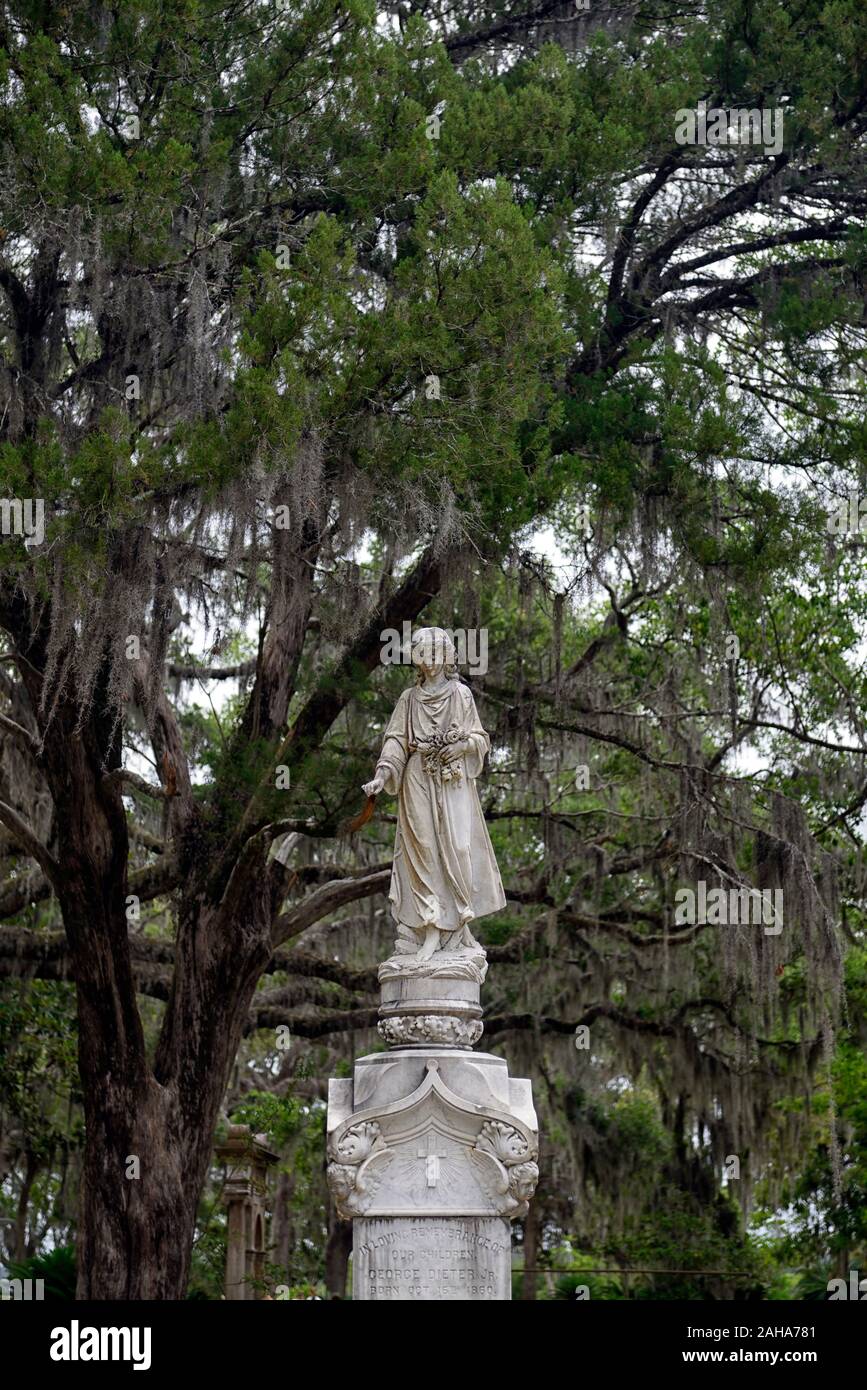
point(359, 1142)
point(502, 1142)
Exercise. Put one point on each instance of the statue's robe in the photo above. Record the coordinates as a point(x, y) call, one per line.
point(444, 872)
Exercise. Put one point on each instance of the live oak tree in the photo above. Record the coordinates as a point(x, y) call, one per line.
point(309, 316)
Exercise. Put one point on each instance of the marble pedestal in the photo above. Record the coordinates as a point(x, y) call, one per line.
point(432, 1153)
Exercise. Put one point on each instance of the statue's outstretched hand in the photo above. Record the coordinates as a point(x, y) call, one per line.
point(376, 784)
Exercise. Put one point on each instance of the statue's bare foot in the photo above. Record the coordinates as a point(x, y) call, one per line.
point(430, 943)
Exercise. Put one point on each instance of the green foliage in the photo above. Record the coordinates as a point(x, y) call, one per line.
point(280, 1118)
point(56, 1268)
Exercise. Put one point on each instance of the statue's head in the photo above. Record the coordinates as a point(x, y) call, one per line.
point(522, 1180)
point(433, 651)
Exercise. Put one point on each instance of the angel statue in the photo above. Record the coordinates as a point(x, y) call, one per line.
point(444, 872)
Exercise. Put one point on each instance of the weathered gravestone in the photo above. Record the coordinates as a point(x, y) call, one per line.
point(432, 1147)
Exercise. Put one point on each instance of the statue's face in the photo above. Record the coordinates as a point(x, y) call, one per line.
point(524, 1178)
point(425, 659)
point(341, 1178)
point(432, 651)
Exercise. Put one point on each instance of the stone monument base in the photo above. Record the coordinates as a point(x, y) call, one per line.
point(432, 1152)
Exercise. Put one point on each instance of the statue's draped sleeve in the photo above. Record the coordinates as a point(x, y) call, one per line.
point(479, 743)
point(395, 746)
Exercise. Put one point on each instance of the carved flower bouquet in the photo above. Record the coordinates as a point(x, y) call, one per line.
point(432, 755)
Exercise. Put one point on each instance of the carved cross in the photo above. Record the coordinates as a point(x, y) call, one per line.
point(432, 1159)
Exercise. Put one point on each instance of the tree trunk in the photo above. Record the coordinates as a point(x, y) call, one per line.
point(280, 1229)
point(337, 1252)
point(30, 1171)
point(135, 1232)
point(138, 1220)
point(531, 1251)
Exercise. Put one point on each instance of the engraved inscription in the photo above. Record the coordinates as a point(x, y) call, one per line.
point(400, 1258)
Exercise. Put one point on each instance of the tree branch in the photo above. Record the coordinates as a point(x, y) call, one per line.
point(20, 734)
point(123, 776)
point(327, 899)
point(28, 841)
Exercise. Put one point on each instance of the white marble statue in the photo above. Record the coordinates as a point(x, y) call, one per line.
point(444, 872)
